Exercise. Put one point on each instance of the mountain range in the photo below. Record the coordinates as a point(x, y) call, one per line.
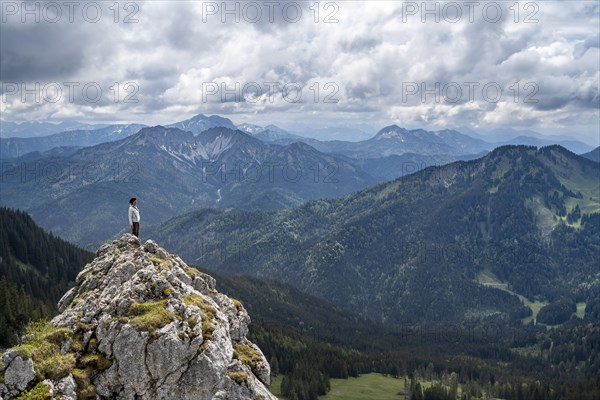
point(69, 177)
point(36, 129)
point(171, 171)
point(74, 139)
point(418, 248)
point(388, 141)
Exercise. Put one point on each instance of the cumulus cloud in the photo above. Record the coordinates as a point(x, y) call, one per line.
point(353, 61)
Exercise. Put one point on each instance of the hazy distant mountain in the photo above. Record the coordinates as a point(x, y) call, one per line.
point(55, 152)
point(250, 129)
point(593, 155)
point(396, 140)
point(505, 134)
point(345, 133)
point(271, 134)
point(509, 136)
point(36, 128)
point(16, 147)
point(573, 145)
point(391, 167)
point(201, 123)
point(415, 249)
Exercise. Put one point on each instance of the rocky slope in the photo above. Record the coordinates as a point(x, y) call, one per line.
point(139, 324)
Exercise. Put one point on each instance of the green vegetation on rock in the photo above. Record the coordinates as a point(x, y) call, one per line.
point(150, 316)
point(39, 392)
point(43, 347)
point(208, 312)
point(247, 354)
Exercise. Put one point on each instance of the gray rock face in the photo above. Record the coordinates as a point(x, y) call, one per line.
point(19, 373)
point(159, 327)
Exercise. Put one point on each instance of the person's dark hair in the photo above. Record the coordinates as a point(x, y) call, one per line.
point(132, 200)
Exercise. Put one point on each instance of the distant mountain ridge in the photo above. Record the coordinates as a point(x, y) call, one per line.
point(390, 140)
point(395, 140)
point(16, 147)
point(38, 128)
point(593, 155)
point(573, 145)
point(271, 133)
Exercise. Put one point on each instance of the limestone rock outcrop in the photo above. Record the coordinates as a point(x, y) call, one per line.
point(139, 324)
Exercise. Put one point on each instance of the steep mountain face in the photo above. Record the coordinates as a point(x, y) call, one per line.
point(415, 249)
point(83, 197)
point(36, 268)
point(201, 123)
point(16, 147)
point(140, 324)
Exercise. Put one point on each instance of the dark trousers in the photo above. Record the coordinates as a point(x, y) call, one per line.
point(135, 228)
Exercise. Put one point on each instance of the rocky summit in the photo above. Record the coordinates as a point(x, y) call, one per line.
point(139, 324)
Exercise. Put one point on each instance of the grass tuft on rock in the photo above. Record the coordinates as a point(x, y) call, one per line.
point(208, 312)
point(83, 379)
point(247, 355)
point(43, 346)
point(38, 392)
point(161, 261)
point(237, 303)
point(95, 361)
point(238, 376)
point(150, 316)
point(192, 272)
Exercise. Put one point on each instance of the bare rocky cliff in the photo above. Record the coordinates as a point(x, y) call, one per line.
point(139, 324)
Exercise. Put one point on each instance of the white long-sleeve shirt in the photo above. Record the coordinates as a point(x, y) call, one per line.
point(134, 215)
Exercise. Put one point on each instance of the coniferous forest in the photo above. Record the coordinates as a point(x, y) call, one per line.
point(36, 269)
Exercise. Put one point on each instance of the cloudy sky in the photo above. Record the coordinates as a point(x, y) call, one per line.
point(485, 65)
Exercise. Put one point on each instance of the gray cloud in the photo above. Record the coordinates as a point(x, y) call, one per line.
point(40, 52)
point(171, 53)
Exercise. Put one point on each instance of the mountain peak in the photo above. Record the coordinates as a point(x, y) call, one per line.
point(390, 131)
point(140, 323)
point(199, 123)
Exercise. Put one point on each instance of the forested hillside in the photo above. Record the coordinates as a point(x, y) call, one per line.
point(414, 249)
point(36, 269)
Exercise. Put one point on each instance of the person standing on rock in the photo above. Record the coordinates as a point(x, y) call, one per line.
point(134, 217)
